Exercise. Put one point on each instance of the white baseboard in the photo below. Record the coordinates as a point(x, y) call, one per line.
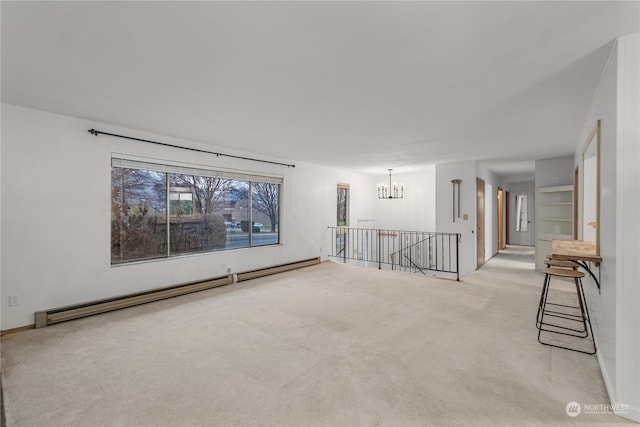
point(631, 413)
point(607, 381)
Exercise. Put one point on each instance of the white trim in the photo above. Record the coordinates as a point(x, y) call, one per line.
point(632, 413)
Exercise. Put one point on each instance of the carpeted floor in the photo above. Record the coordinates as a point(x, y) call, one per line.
point(329, 345)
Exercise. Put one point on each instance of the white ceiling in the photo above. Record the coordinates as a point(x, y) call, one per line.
point(359, 85)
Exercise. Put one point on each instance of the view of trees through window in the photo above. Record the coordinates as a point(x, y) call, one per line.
point(205, 213)
point(343, 205)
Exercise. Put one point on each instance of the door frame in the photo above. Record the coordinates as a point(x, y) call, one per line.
point(576, 188)
point(501, 240)
point(480, 237)
point(506, 216)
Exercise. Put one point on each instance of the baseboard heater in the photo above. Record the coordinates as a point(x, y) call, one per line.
point(71, 312)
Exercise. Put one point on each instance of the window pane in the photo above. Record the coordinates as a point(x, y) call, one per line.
point(235, 211)
point(138, 218)
point(195, 204)
point(265, 199)
point(342, 206)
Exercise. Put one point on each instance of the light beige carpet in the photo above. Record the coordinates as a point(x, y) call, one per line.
point(330, 345)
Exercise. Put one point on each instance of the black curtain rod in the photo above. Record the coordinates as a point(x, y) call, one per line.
point(97, 132)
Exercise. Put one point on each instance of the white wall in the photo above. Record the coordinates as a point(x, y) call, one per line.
point(614, 311)
point(602, 306)
point(2, 294)
point(490, 209)
point(56, 214)
point(627, 225)
point(554, 172)
point(466, 171)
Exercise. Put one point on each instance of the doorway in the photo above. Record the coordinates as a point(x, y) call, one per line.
point(576, 189)
point(501, 236)
point(480, 222)
point(521, 214)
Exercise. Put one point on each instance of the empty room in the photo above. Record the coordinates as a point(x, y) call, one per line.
point(320, 213)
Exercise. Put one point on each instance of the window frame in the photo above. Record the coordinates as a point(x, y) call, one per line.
point(345, 187)
point(167, 168)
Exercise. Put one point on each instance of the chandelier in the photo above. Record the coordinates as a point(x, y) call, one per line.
point(394, 191)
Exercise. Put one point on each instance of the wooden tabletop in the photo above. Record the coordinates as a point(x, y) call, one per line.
point(574, 250)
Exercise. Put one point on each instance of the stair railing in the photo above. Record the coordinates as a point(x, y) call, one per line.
point(412, 251)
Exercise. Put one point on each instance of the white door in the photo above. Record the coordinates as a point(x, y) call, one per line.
point(521, 218)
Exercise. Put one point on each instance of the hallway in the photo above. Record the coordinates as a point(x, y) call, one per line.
point(515, 257)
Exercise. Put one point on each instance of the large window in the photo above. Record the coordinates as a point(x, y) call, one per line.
point(158, 211)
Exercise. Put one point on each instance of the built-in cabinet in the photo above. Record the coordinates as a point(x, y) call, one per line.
point(554, 219)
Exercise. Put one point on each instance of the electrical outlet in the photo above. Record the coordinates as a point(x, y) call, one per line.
point(229, 270)
point(14, 300)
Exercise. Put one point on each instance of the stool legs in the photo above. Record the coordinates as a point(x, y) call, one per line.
point(586, 314)
point(559, 314)
point(583, 318)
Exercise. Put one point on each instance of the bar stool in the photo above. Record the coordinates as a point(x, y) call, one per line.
point(549, 309)
point(559, 314)
point(550, 262)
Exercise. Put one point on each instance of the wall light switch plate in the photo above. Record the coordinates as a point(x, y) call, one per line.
point(465, 217)
point(14, 300)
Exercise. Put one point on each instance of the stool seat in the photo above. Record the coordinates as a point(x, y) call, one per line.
point(573, 274)
point(558, 263)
